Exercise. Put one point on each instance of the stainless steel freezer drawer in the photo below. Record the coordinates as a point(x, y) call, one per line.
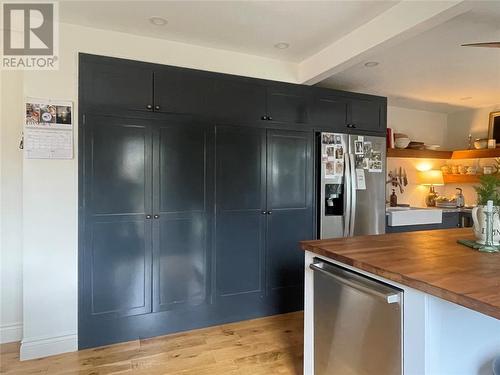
point(357, 323)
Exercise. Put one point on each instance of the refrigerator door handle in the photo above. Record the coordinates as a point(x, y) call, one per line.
point(353, 195)
point(348, 191)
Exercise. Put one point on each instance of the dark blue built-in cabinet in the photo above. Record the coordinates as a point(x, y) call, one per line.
point(194, 191)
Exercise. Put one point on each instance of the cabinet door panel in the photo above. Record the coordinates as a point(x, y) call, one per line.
point(121, 264)
point(237, 101)
point(240, 238)
point(116, 261)
point(118, 170)
point(182, 168)
point(240, 202)
point(289, 169)
point(180, 201)
point(330, 112)
point(182, 261)
point(367, 115)
point(288, 105)
point(183, 91)
point(117, 84)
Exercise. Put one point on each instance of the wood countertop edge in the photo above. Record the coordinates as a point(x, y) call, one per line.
point(448, 295)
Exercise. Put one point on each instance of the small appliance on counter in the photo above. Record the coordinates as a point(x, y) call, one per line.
point(431, 178)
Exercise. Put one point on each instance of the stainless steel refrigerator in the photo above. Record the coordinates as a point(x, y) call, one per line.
point(351, 185)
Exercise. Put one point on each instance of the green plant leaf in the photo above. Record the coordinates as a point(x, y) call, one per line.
point(488, 189)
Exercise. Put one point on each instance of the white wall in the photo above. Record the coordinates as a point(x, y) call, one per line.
point(424, 126)
point(50, 186)
point(472, 121)
point(11, 163)
point(420, 126)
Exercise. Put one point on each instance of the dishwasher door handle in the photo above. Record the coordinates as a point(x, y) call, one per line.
point(387, 297)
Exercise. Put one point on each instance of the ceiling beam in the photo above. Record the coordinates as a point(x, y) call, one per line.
point(400, 22)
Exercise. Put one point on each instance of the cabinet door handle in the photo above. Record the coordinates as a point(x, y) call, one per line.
point(149, 106)
point(263, 212)
point(157, 107)
point(269, 212)
point(156, 216)
point(270, 118)
point(148, 217)
point(263, 118)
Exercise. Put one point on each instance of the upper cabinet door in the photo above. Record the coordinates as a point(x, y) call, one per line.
point(116, 84)
point(367, 114)
point(239, 101)
point(288, 104)
point(182, 91)
point(330, 111)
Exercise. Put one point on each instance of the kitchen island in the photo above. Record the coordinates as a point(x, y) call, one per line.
point(451, 296)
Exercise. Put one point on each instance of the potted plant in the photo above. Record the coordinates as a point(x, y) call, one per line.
point(488, 189)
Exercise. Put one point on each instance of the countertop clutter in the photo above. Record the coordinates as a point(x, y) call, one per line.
point(430, 261)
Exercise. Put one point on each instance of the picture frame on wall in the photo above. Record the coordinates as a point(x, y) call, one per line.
point(494, 127)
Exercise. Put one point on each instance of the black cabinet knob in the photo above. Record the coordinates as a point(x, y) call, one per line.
point(270, 118)
point(269, 212)
point(263, 118)
point(156, 216)
point(148, 217)
point(263, 212)
point(157, 107)
point(149, 106)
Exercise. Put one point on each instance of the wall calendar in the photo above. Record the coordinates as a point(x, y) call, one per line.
point(48, 129)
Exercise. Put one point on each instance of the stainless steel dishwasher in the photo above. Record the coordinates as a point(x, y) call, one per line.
point(357, 323)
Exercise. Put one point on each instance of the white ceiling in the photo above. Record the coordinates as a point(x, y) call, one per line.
point(252, 27)
point(426, 69)
point(431, 71)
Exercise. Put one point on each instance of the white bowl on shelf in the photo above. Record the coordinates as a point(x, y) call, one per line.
point(401, 142)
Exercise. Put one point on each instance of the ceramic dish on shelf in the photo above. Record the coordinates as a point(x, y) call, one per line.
point(432, 147)
point(481, 143)
point(416, 145)
point(401, 142)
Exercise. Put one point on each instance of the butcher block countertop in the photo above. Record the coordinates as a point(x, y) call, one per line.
point(430, 261)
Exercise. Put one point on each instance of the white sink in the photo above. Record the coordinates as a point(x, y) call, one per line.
point(391, 209)
point(399, 216)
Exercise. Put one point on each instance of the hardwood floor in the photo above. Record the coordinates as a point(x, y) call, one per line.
point(265, 346)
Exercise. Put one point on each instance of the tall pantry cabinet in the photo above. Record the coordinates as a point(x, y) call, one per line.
point(194, 191)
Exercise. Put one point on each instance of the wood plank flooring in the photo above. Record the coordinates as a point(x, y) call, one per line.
point(265, 346)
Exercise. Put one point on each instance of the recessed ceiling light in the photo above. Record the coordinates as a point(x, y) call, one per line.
point(371, 64)
point(466, 98)
point(158, 21)
point(281, 45)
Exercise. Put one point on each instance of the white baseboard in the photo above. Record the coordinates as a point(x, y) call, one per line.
point(11, 333)
point(47, 346)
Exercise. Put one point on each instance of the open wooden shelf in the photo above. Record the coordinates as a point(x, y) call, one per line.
point(460, 178)
point(409, 153)
point(430, 154)
point(476, 154)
